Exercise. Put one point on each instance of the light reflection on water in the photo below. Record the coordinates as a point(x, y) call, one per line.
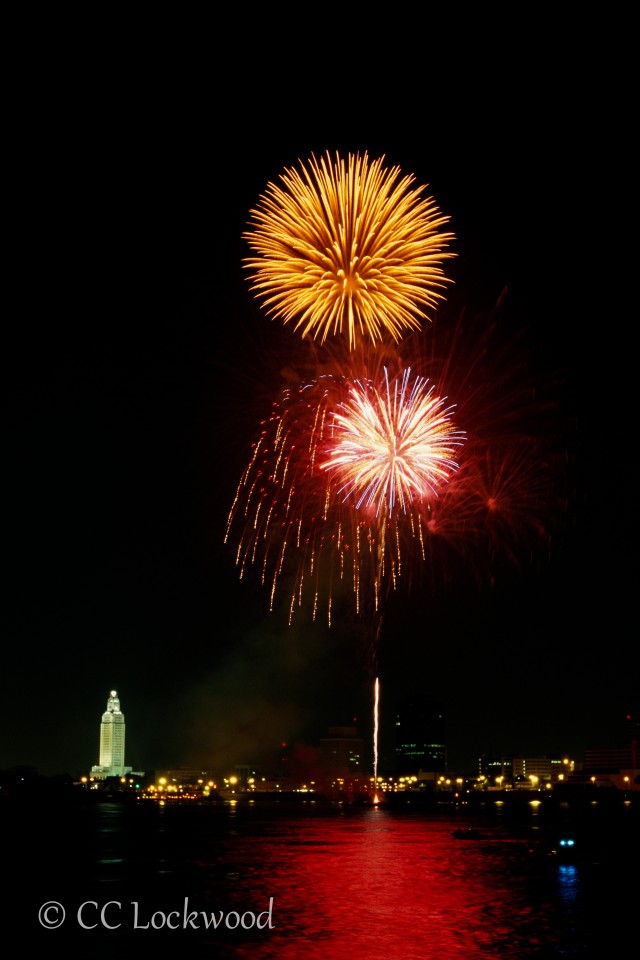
point(377, 885)
point(347, 882)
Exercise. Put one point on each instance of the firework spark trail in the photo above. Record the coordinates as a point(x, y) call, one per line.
point(347, 248)
point(376, 711)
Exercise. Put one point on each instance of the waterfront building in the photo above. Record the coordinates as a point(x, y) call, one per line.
point(615, 766)
point(495, 769)
point(531, 771)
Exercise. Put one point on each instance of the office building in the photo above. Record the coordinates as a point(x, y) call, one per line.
point(341, 752)
point(420, 737)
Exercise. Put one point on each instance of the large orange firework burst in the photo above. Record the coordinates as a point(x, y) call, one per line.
point(350, 248)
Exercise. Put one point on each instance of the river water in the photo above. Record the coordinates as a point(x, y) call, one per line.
point(320, 881)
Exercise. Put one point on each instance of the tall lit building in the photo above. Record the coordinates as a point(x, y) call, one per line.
point(420, 736)
point(112, 730)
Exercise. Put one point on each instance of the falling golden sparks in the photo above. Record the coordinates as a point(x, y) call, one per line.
point(348, 248)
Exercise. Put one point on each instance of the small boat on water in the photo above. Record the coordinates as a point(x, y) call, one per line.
point(469, 834)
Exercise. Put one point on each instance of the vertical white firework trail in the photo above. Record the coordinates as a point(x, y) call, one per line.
point(376, 699)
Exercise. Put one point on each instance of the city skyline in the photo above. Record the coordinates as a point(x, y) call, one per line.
point(413, 743)
point(143, 365)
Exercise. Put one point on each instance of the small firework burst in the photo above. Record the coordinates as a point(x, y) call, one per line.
point(393, 445)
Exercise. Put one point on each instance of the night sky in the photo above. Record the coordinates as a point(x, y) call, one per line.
point(138, 364)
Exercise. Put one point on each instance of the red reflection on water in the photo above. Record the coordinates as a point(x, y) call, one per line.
point(368, 883)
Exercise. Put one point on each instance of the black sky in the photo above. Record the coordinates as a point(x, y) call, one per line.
point(136, 365)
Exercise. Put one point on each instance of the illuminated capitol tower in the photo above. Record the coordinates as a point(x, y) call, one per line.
point(112, 740)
